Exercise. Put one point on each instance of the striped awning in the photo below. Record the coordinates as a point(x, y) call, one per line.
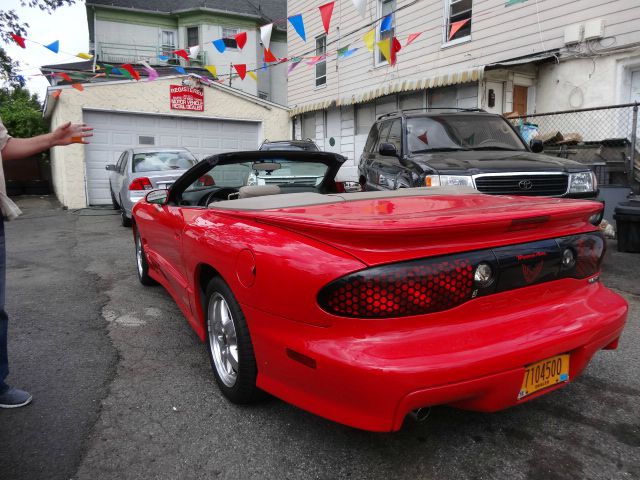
point(453, 78)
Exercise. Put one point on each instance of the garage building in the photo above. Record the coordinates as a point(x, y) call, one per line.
point(127, 114)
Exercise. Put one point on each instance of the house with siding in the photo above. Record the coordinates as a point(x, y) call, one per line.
point(524, 56)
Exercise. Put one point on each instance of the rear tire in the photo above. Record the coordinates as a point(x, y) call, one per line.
point(142, 266)
point(126, 221)
point(114, 202)
point(229, 345)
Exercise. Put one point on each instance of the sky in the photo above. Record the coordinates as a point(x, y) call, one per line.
point(68, 25)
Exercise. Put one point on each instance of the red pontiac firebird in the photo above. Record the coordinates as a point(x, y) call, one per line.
point(363, 307)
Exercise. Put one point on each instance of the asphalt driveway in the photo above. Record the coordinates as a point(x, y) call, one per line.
point(123, 388)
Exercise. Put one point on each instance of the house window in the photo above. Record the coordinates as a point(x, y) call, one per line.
point(385, 7)
point(458, 11)
point(309, 125)
point(365, 117)
point(192, 37)
point(229, 37)
point(168, 42)
point(321, 66)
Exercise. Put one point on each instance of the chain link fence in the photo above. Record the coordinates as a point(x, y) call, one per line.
point(605, 138)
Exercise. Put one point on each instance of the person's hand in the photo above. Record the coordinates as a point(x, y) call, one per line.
point(69, 133)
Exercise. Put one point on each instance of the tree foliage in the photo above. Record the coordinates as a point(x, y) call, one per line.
point(10, 23)
point(21, 112)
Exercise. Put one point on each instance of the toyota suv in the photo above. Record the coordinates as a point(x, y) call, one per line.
point(428, 148)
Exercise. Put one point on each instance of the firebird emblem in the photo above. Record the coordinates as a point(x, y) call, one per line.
point(530, 273)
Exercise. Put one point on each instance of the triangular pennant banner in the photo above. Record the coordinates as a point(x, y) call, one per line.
point(182, 53)
point(241, 69)
point(212, 70)
point(369, 39)
point(326, 11)
point(56, 93)
point(241, 39)
point(342, 51)
point(386, 23)
point(411, 38)
point(64, 76)
point(360, 6)
point(18, 39)
point(54, 46)
point(78, 86)
point(314, 60)
point(268, 56)
point(131, 71)
point(348, 53)
point(193, 51)
point(151, 74)
point(181, 70)
point(116, 71)
point(265, 34)
point(294, 63)
point(455, 26)
point(395, 48)
point(84, 56)
point(385, 48)
point(253, 75)
point(219, 44)
point(164, 58)
point(298, 25)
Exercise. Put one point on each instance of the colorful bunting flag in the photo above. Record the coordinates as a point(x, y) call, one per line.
point(253, 75)
point(151, 73)
point(455, 26)
point(241, 68)
point(395, 48)
point(298, 25)
point(369, 39)
point(386, 23)
point(18, 39)
point(116, 71)
point(385, 48)
point(181, 70)
point(193, 51)
point(164, 58)
point(265, 34)
point(348, 53)
point(64, 76)
point(294, 63)
point(342, 51)
point(56, 93)
point(212, 70)
point(220, 45)
point(54, 46)
point(78, 86)
point(241, 39)
point(131, 71)
point(326, 11)
point(314, 60)
point(182, 53)
point(84, 56)
point(360, 6)
point(411, 38)
point(268, 56)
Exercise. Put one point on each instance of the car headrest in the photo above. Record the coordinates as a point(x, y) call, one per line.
point(249, 191)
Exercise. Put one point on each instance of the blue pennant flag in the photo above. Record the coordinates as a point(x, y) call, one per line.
point(181, 70)
point(298, 25)
point(116, 71)
point(264, 67)
point(348, 53)
point(219, 44)
point(386, 23)
point(164, 58)
point(54, 47)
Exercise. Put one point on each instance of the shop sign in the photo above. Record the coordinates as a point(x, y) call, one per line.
point(182, 97)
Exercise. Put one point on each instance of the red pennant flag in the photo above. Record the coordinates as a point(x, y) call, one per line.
point(241, 39)
point(183, 54)
point(18, 39)
point(241, 69)
point(78, 87)
point(64, 76)
point(268, 56)
point(131, 71)
point(455, 26)
point(326, 11)
point(411, 38)
point(395, 48)
point(56, 93)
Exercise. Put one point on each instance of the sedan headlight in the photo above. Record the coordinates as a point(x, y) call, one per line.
point(448, 181)
point(582, 182)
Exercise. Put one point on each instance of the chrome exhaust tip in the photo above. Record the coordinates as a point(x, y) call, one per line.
point(420, 414)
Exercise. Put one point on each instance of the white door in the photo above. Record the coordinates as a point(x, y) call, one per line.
point(494, 95)
point(115, 132)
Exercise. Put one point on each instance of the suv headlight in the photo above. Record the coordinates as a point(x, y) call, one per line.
point(448, 181)
point(582, 182)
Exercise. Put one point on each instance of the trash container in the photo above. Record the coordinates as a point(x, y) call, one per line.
point(627, 216)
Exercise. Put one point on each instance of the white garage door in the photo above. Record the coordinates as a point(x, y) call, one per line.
point(115, 132)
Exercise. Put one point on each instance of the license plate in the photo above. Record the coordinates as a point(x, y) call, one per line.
point(544, 374)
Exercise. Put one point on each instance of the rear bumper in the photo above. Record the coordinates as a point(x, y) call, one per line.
point(371, 374)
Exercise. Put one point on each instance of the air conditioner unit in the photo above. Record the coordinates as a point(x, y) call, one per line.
point(573, 34)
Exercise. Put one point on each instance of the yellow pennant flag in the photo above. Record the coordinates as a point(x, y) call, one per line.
point(385, 48)
point(84, 56)
point(369, 39)
point(253, 75)
point(212, 70)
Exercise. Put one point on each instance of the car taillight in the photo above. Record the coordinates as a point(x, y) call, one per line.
point(141, 183)
point(588, 251)
point(206, 181)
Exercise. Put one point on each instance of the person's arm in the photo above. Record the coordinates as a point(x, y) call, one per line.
point(65, 134)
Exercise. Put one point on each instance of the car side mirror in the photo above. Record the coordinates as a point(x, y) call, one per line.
point(536, 146)
point(388, 150)
point(111, 167)
point(157, 197)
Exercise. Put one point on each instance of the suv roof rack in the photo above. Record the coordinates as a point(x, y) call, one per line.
point(423, 109)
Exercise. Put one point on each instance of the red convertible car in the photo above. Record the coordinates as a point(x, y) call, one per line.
point(364, 307)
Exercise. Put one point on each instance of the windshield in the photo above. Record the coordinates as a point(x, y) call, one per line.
point(279, 172)
point(460, 132)
point(162, 161)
